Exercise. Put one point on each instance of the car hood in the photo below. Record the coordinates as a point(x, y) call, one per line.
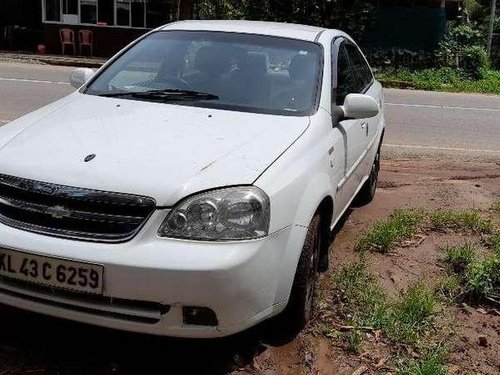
point(160, 150)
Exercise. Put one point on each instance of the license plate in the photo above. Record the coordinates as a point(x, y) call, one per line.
point(53, 272)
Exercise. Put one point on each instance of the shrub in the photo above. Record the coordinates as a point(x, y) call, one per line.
point(483, 277)
point(474, 62)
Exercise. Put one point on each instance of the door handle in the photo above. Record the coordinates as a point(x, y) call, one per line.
point(364, 126)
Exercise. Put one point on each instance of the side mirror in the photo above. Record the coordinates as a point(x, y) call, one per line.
point(359, 106)
point(79, 76)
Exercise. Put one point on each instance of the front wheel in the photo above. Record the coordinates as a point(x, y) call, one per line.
point(301, 303)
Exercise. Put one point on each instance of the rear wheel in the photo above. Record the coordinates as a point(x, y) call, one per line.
point(301, 303)
point(367, 192)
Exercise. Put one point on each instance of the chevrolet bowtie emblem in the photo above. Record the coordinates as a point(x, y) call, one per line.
point(58, 212)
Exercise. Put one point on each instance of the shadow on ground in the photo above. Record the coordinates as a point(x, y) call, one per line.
point(35, 344)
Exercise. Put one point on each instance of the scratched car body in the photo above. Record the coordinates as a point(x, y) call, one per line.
point(188, 187)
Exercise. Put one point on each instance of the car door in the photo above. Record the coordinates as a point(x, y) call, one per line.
point(365, 85)
point(354, 132)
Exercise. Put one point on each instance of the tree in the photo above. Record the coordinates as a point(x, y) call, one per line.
point(352, 16)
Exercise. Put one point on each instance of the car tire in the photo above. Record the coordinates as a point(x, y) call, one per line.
point(301, 303)
point(367, 192)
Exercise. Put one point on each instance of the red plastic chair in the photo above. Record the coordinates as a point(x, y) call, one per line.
point(67, 39)
point(86, 38)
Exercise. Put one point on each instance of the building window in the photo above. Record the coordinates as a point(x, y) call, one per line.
point(106, 12)
point(138, 13)
point(88, 11)
point(53, 10)
point(70, 11)
point(123, 12)
point(70, 6)
point(128, 13)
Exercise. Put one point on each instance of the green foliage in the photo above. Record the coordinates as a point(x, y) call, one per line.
point(493, 241)
point(495, 207)
point(430, 363)
point(443, 79)
point(460, 257)
point(450, 288)
point(483, 277)
point(362, 303)
point(402, 224)
point(359, 297)
point(221, 9)
point(353, 16)
point(465, 220)
point(474, 62)
point(411, 313)
point(354, 342)
point(463, 48)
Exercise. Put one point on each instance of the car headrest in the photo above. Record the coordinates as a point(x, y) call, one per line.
point(255, 63)
point(212, 60)
point(302, 68)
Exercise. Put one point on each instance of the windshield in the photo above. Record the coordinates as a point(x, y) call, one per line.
point(232, 71)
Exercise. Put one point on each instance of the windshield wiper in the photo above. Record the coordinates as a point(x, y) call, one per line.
point(167, 95)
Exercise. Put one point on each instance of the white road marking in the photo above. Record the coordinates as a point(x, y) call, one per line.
point(33, 81)
point(5, 121)
point(444, 148)
point(442, 107)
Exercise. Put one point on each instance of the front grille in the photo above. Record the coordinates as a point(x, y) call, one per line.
point(116, 308)
point(71, 212)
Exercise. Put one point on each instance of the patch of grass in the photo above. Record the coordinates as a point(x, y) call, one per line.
point(464, 220)
point(479, 278)
point(411, 313)
point(493, 241)
point(361, 300)
point(495, 207)
point(450, 288)
point(362, 303)
point(460, 257)
point(354, 341)
point(405, 223)
point(430, 363)
point(443, 79)
point(402, 224)
point(483, 277)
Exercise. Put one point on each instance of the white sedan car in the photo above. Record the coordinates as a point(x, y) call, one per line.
point(188, 187)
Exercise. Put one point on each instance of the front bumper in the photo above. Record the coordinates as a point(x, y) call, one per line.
point(148, 280)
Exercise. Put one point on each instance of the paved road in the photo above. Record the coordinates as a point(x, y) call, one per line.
point(416, 120)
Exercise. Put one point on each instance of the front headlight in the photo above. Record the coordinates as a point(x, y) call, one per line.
point(238, 213)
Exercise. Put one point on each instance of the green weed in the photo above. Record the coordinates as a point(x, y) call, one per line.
point(354, 342)
point(450, 288)
point(362, 303)
point(443, 79)
point(402, 224)
point(465, 220)
point(361, 300)
point(483, 277)
point(460, 257)
point(411, 313)
point(431, 363)
point(495, 207)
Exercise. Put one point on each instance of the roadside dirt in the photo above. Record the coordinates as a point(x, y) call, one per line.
point(33, 344)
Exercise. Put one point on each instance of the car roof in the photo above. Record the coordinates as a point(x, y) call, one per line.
point(286, 30)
